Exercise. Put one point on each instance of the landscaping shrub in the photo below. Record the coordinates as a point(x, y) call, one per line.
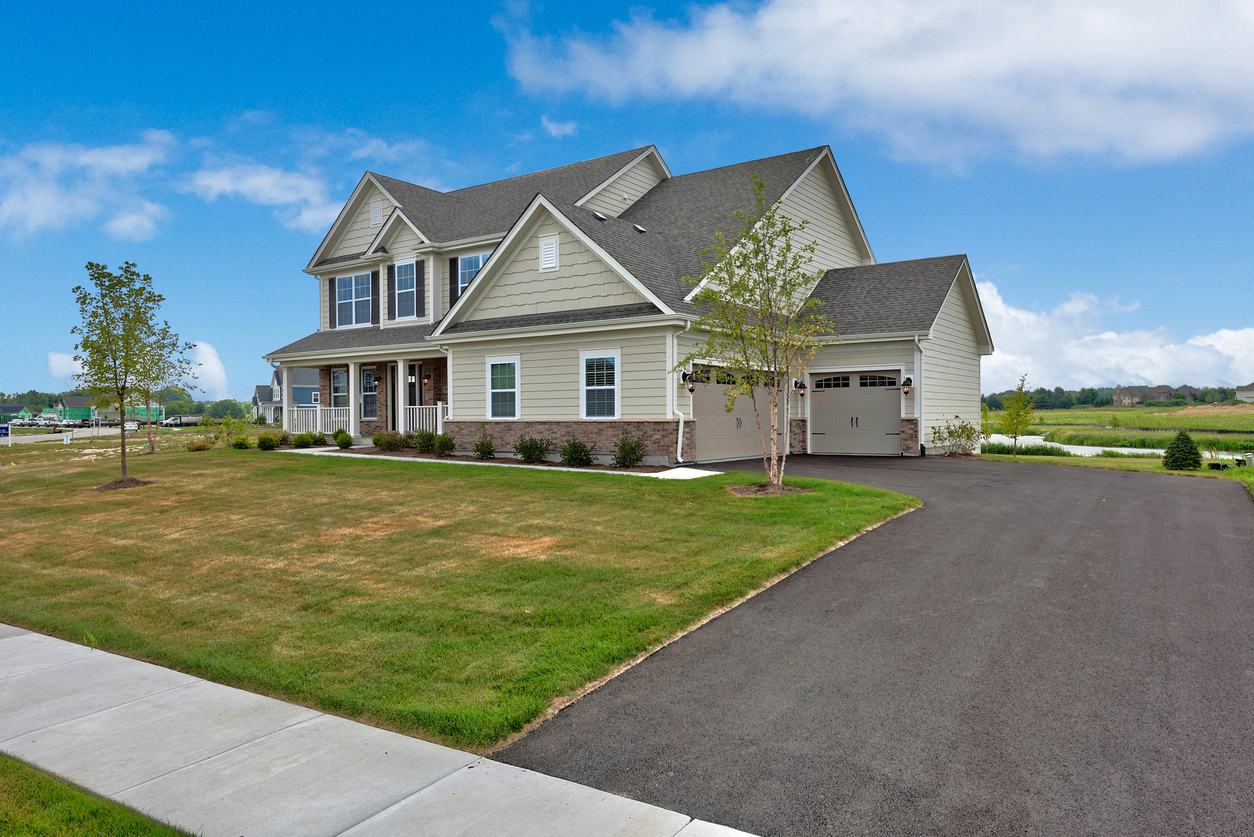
point(424, 441)
point(284, 437)
point(407, 439)
point(302, 440)
point(443, 445)
point(260, 421)
point(531, 449)
point(485, 446)
point(317, 438)
point(957, 437)
point(199, 444)
point(1182, 454)
point(241, 442)
point(1024, 450)
point(575, 454)
point(267, 441)
point(629, 452)
point(388, 440)
point(343, 439)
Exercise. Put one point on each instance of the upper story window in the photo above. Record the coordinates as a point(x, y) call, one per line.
point(599, 393)
point(406, 291)
point(376, 213)
point(352, 300)
point(548, 252)
point(467, 268)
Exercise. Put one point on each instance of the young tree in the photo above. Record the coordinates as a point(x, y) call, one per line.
point(113, 349)
point(166, 368)
point(1016, 415)
point(762, 327)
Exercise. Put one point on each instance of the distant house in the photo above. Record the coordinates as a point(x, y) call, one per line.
point(268, 399)
point(135, 411)
point(1128, 396)
point(1189, 393)
point(1245, 393)
point(9, 412)
point(74, 407)
point(1158, 393)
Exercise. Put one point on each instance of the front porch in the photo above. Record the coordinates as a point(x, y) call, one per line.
point(370, 396)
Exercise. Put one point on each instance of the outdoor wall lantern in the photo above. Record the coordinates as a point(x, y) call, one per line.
point(426, 377)
point(907, 385)
point(687, 378)
point(800, 387)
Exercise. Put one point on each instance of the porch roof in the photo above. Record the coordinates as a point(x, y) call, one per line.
point(371, 337)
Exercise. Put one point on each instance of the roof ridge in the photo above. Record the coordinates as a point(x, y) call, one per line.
point(451, 192)
point(747, 162)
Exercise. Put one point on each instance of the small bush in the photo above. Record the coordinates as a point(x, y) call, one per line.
point(343, 441)
point(241, 442)
point(424, 441)
point(302, 440)
point(389, 441)
point(199, 444)
point(485, 446)
point(1182, 454)
point(629, 452)
point(443, 445)
point(575, 454)
point(958, 437)
point(317, 438)
point(531, 449)
point(407, 439)
point(267, 441)
point(260, 421)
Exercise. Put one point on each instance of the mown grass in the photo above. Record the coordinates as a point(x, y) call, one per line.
point(1151, 465)
point(34, 804)
point(1146, 439)
point(447, 601)
point(1152, 417)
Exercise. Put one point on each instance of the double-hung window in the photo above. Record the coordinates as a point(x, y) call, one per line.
point(369, 395)
point(339, 388)
point(468, 268)
point(598, 392)
point(406, 299)
point(352, 300)
point(503, 387)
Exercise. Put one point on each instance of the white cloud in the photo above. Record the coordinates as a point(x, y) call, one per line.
point(558, 129)
point(1137, 79)
point(301, 198)
point(1067, 347)
point(54, 185)
point(210, 373)
point(62, 365)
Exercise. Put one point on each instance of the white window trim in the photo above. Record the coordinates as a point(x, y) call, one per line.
point(487, 383)
point(461, 289)
point(398, 266)
point(370, 285)
point(361, 393)
point(316, 395)
point(376, 213)
point(584, 354)
point(348, 390)
point(556, 258)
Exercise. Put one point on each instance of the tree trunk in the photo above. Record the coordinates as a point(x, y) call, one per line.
point(122, 428)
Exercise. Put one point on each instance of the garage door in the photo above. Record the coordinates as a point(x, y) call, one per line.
point(856, 413)
point(724, 435)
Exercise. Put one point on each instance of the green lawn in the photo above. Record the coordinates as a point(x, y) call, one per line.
point(1219, 418)
point(1151, 465)
point(1146, 438)
point(447, 601)
point(34, 804)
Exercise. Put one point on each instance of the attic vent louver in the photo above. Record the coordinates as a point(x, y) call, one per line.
point(600, 217)
point(638, 228)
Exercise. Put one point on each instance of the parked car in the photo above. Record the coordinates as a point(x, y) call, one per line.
point(132, 426)
point(71, 423)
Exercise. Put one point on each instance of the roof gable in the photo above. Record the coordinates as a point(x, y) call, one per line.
point(348, 224)
point(627, 185)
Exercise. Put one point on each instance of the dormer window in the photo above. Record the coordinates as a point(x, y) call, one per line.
point(548, 252)
point(376, 213)
point(467, 268)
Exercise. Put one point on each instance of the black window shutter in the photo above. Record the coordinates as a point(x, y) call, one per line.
point(391, 292)
point(452, 281)
point(374, 297)
point(420, 286)
point(331, 299)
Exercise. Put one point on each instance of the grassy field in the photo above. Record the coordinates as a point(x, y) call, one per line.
point(451, 602)
point(34, 804)
point(1220, 418)
point(1152, 465)
point(1146, 438)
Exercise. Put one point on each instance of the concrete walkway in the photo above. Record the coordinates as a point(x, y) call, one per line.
point(222, 762)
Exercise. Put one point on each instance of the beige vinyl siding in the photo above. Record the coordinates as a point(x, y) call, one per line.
point(403, 240)
point(814, 199)
point(951, 365)
point(357, 234)
point(324, 303)
point(581, 280)
point(633, 183)
point(852, 357)
point(550, 375)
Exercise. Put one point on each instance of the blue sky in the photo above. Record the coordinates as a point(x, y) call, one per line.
point(1094, 160)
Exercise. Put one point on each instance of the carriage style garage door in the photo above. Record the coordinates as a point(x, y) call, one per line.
point(855, 412)
point(724, 435)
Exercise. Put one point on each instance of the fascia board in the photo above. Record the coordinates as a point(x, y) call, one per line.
point(652, 149)
point(369, 352)
point(562, 328)
point(338, 269)
point(965, 270)
point(881, 337)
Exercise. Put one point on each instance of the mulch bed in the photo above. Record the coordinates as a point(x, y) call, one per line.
point(766, 490)
point(129, 482)
point(410, 453)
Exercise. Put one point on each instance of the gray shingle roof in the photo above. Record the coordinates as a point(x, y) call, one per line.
point(494, 207)
point(77, 402)
point(372, 337)
point(887, 297)
point(583, 315)
point(263, 394)
point(340, 259)
point(12, 408)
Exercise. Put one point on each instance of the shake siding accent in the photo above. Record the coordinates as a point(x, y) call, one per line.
point(403, 240)
point(581, 281)
point(814, 200)
point(634, 182)
point(550, 375)
point(358, 233)
point(951, 365)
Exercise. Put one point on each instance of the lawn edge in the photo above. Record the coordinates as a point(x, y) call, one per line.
point(560, 703)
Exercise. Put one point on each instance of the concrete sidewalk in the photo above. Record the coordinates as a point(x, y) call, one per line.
point(218, 761)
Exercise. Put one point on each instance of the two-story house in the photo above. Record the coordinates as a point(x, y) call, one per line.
point(557, 304)
point(268, 398)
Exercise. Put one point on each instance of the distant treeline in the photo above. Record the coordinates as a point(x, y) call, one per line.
point(1062, 399)
point(178, 402)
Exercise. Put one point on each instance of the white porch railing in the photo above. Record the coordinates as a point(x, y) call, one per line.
point(333, 419)
point(424, 418)
point(304, 420)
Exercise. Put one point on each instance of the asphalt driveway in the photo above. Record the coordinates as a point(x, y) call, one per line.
point(1039, 650)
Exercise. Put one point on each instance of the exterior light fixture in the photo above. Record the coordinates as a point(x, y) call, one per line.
point(689, 379)
point(800, 387)
point(426, 377)
point(907, 385)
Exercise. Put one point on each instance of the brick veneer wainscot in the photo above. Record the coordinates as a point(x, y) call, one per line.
point(910, 436)
point(601, 436)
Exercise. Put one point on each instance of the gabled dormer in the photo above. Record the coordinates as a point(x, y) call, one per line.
point(627, 185)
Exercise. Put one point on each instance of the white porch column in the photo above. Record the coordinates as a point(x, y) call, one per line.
point(354, 398)
point(288, 415)
point(402, 394)
point(321, 425)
